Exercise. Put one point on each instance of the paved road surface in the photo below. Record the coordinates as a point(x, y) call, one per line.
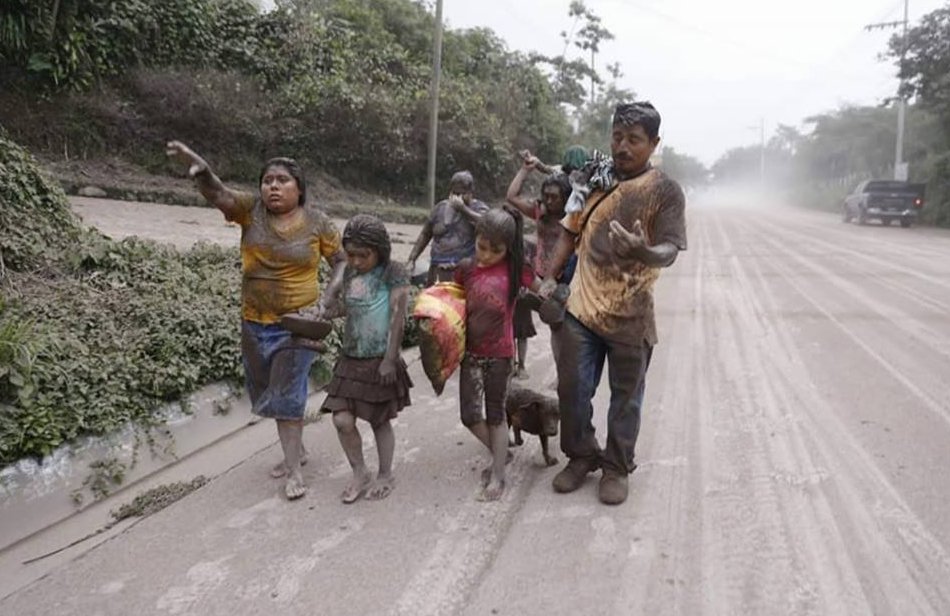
point(794, 459)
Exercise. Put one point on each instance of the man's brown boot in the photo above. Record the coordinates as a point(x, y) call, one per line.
point(613, 487)
point(573, 475)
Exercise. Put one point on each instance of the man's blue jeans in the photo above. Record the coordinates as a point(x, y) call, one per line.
point(582, 357)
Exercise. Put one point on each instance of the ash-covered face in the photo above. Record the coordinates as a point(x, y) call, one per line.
point(279, 190)
point(631, 149)
point(361, 258)
point(487, 253)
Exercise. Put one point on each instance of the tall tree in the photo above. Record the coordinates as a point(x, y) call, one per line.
point(926, 66)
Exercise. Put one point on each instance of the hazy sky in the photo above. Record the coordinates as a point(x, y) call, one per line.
point(714, 68)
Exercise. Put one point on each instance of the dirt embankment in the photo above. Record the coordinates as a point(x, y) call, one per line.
point(119, 180)
point(184, 226)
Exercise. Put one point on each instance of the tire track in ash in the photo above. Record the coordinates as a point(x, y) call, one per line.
point(921, 271)
point(886, 321)
point(932, 394)
point(828, 581)
point(820, 576)
point(664, 564)
point(922, 243)
point(761, 568)
point(893, 274)
point(902, 567)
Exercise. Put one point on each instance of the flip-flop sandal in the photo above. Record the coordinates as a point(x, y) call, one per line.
point(349, 498)
point(380, 490)
point(305, 327)
point(300, 489)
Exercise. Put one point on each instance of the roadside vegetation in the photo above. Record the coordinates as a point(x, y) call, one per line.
point(342, 85)
point(96, 333)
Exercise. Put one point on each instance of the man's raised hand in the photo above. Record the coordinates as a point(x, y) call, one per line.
point(627, 245)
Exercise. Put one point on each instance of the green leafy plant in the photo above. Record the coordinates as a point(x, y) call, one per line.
point(104, 476)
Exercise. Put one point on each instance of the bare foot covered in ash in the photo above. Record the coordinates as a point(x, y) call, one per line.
point(280, 469)
point(355, 488)
point(492, 491)
point(381, 488)
point(486, 473)
point(295, 486)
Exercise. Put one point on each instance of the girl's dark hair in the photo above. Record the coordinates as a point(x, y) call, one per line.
point(505, 226)
point(293, 169)
point(561, 181)
point(369, 231)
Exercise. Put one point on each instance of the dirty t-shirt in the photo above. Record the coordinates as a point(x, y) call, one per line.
point(453, 235)
point(280, 269)
point(489, 317)
point(368, 311)
point(615, 302)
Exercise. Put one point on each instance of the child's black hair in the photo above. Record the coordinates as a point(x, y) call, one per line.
point(562, 182)
point(369, 231)
point(505, 226)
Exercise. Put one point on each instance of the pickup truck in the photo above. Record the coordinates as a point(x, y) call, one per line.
point(884, 200)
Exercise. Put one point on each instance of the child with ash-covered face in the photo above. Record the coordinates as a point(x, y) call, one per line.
point(492, 281)
point(370, 381)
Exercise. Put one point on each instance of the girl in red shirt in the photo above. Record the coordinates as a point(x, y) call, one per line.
point(492, 281)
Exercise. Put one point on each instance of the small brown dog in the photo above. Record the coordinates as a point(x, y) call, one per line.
point(534, 413)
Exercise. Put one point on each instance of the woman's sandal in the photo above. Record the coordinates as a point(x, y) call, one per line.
point(294, 488)
point(381, 488)
point(354, 491)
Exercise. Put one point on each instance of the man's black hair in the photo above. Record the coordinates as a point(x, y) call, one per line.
point(640, 112)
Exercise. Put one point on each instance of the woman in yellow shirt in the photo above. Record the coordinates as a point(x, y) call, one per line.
point(283, 237)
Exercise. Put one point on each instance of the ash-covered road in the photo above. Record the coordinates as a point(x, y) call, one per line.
point(794, 459)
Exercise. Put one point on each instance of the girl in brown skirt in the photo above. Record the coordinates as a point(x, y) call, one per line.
point(370, 381)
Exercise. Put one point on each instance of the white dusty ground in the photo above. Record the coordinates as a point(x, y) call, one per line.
point(793, 460)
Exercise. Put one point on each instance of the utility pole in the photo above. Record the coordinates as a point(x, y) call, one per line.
point(761, 129)
point(762, 152)
point(900, 167)
point(592, 73)
point(434, 96)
